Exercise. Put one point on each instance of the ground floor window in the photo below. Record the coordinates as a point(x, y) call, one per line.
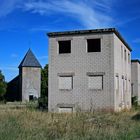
point(65, 109)
point(65, 82)
point(95, 82)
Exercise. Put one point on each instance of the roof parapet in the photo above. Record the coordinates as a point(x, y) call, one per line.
point(93, 31)
point(135, 61)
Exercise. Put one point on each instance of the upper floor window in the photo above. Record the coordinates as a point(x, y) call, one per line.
point(122, 51)
point(129, 60)
point(93, 45)
point(64, 46)
point(125, 54)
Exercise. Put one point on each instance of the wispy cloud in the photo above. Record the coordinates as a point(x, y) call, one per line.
point(9, 68)
point(14, 55)
point(9, 71)
point(39, 29)
point(45, 57)
point(136, 40)
point(7, 6)
point(128, 20)
point(90, 15)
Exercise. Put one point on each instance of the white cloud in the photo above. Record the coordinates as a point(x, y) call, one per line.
point(7, 6)
point(91, 15)
point(45, 57)
point(14, 55)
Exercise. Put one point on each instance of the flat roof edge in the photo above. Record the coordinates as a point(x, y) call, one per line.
point(93, 31)
point(135, 60)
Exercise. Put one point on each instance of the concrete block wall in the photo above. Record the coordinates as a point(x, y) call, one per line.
point(135, 67)
point(122, 71)
point(79, 63)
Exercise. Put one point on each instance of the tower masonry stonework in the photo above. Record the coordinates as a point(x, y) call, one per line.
point(30, 77)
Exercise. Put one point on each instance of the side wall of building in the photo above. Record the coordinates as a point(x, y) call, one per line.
point(135, 67)
point(31, 82)
point(139, 84)
point(79, 63)
point(122, 75)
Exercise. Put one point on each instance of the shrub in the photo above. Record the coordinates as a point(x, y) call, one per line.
point(43, 102)
point(135, 101)
point(32, 104)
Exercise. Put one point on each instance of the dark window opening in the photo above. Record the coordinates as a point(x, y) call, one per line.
point(31, 97)
point(64, 46)
point(93, 45)
point(125, 54)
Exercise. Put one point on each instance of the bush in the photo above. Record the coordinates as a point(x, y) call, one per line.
point(135, 101)
point(43, 102)
point(32, 104)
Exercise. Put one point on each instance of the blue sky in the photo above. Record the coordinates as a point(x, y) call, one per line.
point(24, 24)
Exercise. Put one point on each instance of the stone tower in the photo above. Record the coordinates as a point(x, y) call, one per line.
point(29, 77)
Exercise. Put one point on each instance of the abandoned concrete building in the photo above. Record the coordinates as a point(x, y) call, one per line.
point(89, 69)
point(135, 73)
point(26, 86)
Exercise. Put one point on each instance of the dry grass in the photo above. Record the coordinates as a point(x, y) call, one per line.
point(27, 124)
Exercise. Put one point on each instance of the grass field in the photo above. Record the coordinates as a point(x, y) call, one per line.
point(25, 124)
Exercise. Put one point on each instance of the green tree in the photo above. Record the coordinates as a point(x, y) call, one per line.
point(2, 86)
point(43, 100)
point(44, 81)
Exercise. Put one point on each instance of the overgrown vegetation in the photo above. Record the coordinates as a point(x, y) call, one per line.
point(27, 124)
point(135, 102)
point(43, 100)
point(2, 86)
point(44, 81)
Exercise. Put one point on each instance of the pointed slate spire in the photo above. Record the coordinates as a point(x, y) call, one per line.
point(29, 60)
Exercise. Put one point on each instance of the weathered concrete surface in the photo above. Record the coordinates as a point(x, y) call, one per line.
point(31, 82)
point(79, 62)
point(135, 67)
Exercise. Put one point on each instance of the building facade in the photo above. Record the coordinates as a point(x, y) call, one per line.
point(135, 73)
point(89, 69)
